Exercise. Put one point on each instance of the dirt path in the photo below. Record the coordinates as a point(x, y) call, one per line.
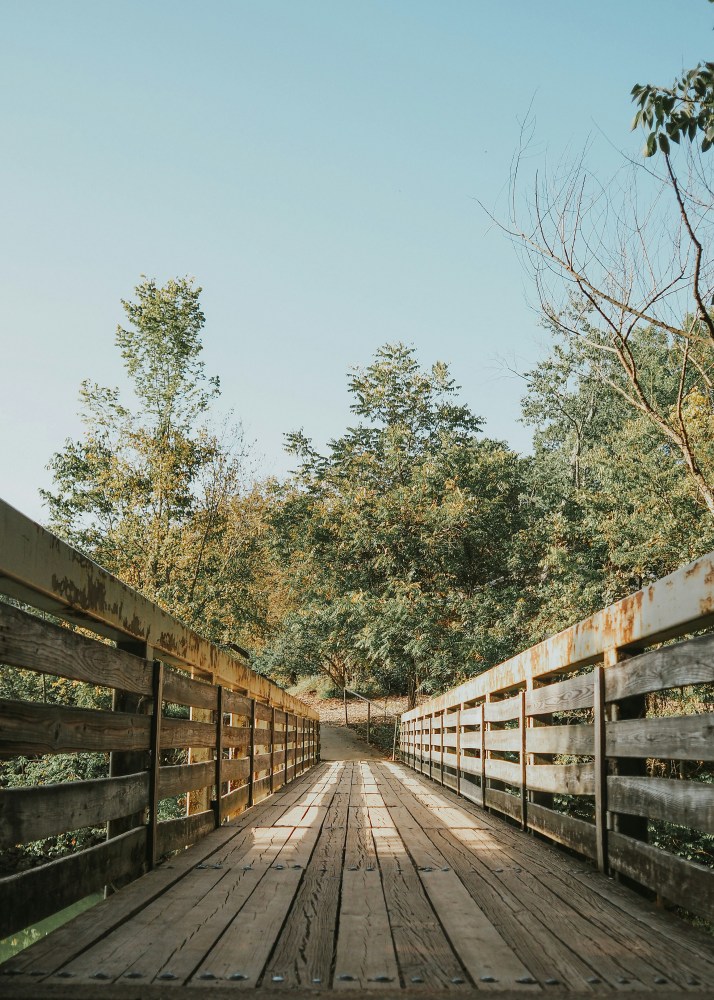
point(340, 743)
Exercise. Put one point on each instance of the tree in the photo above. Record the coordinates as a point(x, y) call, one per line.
point(150, 490)
point(397, 539)
point(612, 260)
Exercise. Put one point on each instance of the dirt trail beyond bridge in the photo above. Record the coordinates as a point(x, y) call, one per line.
point(340, 743)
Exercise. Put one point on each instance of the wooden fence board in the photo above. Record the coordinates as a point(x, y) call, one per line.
point(684, 663)
point(27, 641)
point(31, 728)
point(562, 696)
point(175, 834)
point(34, 813)
point(179, 778)
point(181, 689)
point(689, 737)
point(560, 739)
point(177, 733)
point(565, 830)
point(688, 803)
point(681, 882)
point(563, 779)
point(502, 711)
point(39, 892)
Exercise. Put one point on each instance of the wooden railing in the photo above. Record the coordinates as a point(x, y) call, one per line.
point(577, 738)
point(245, 737)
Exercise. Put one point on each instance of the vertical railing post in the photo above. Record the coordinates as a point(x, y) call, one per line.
point(272, 750)
point(251, 755)
point(219, 754)
point(599, 707)
point(441, 760)
point(302, 741)
point(286, 735)
point(157, 687)
point(431, 743)
point(458, 750)
point(523, 758)
point(483, 754)
point(369, 719)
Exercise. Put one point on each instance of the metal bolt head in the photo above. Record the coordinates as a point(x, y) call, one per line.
point(206, 975)
point(345, 977)
point(527, 980)
point(101, 975)
point(238, 976)
point(660, 980)
point(551, 982)
point(278, 979)
point(488, 979)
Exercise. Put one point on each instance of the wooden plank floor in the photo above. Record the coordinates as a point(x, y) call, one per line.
point(366, 877)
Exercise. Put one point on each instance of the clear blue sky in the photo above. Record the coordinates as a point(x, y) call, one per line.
point(316, 165)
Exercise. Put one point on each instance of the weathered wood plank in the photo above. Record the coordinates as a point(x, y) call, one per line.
point(31, 728)
point(28, 814)
point(304, 950)
point(560, 739)
point(179, 778)
point(503, 770)
point(502, 711)
point(562, 696)
point(688, 803)
point(39, 892)
point(181, 733)
point(690, 662)
point(181, 689)
point(364, 951)
point(566, 830)
point(423, 951)
point(248, 940)
point(176, 834)
point(510, 805)
point(502, 739)
point(27, 641)
point(682, 882)
point(689, 737)
point(236, 704)
point(563, 779)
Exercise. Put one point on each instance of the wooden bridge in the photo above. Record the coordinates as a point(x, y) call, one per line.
point(502, 852)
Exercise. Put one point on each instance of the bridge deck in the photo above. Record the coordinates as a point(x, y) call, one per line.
point(366, 876)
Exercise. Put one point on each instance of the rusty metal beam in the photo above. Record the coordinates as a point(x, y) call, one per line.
point(38, 568)
point(679, 603)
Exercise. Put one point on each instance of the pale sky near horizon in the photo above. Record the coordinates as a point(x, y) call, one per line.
point(317, 166)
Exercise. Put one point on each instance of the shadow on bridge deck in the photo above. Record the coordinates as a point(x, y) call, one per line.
point(366, 876)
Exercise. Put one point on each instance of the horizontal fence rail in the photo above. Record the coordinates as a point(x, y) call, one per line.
point(595, 741)
point(217, 741)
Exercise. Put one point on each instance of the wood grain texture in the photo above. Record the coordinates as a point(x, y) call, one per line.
point(31, 728)
point(43, 811)
point(689, 737)
point(176, 834)
point(27, 641)
point(688, 803)
point(39, 892)
point(681, 882)
point(560, 739)
point(561, 696)
point(690, 662)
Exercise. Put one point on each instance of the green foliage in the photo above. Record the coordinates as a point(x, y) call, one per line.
point(397, 539)
point(682, 111)
point(151, 491)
